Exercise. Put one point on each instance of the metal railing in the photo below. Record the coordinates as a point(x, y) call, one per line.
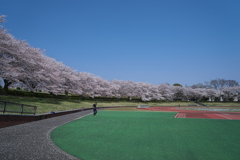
point(17, 108)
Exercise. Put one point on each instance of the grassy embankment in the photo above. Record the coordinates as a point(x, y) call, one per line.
point(228, 104)
point(46, 105)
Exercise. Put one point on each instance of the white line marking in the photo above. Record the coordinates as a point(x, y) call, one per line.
point(180, 115)
point(223, 116)
point(82, 116)
point(176, 115)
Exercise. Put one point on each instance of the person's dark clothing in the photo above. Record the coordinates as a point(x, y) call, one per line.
point(94, 109)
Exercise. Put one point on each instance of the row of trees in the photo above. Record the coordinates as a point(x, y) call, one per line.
point(217, 84)
point(28, 67)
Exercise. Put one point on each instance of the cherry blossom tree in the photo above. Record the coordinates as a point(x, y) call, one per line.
point(177, 92)
point(12, 64)
point(195, 94)
point(154, 92)
point(229, 93)
point(124, 89)
point(22, 64)
point(67, 79)
point(211, 93)
point(29, 65)
point(143, 91)
point(114, 88)
point(165, 90)
point(237, 90)
point(87, 83)
point(101, 87)
point(148, 92)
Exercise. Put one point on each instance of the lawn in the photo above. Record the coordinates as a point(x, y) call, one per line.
point(230, 104)
point(148, 135)
point(46, 105)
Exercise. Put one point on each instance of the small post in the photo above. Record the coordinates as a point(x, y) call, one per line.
point(35, 108)
point(21, 108)
point(4, 107)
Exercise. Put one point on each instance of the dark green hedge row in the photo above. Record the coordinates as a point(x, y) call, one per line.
point(22, 93)
point(14, 92)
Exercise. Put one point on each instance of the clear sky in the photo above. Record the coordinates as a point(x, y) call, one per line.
point(153, 41)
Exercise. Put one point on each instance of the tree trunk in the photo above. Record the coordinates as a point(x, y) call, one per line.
point(66, 93)
point(6, 85)
point(51, 93)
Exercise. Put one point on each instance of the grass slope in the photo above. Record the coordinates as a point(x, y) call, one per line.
point(148, 135)
point(230, 104)
point(46, 105)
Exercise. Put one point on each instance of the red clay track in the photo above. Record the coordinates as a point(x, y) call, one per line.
point(197, 114)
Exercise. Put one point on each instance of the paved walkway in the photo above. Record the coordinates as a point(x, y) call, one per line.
point(31, 141)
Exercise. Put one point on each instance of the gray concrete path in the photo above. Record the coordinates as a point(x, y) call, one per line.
point(31, 141)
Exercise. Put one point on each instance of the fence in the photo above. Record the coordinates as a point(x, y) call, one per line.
point(17, 108)
point(14, 119)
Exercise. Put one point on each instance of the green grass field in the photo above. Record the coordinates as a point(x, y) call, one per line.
point(230, 104)
point(148, 135)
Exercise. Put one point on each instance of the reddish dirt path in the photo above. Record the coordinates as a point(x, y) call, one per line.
point(196, 113)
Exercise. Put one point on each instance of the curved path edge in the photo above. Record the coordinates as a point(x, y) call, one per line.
point(32, 141)
point(50, 142)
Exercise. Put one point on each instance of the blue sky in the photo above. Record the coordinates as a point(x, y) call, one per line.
point(153, 41)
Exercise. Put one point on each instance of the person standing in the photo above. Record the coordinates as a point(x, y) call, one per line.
point(95, 109)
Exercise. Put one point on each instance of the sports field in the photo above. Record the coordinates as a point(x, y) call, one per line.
point(131, 135)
